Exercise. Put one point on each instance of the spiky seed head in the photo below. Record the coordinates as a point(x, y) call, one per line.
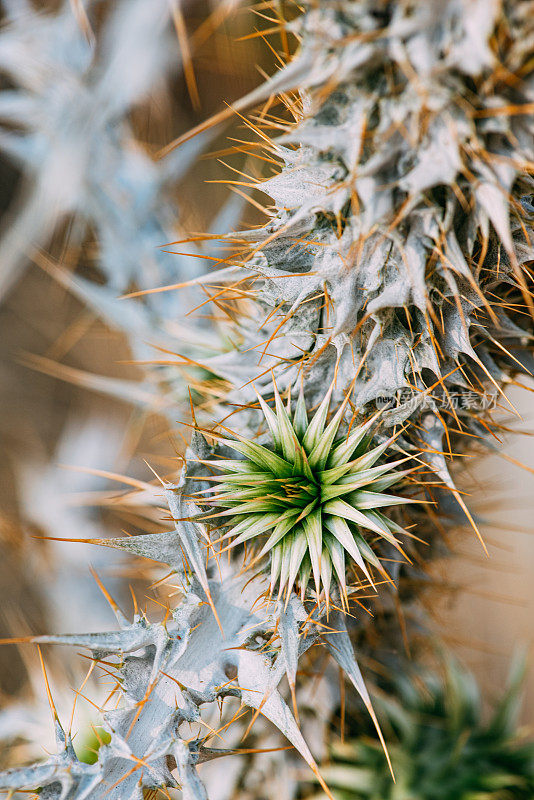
point(314, 496)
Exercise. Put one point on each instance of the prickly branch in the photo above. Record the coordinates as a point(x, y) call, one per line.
point(398, 253)
point(218, 642)
point(396, 262)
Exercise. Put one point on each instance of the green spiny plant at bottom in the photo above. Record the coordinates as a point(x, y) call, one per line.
point(440, 746)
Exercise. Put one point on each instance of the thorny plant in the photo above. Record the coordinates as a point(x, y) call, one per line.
point(397, 256)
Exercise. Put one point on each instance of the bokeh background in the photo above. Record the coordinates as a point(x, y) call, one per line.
point(89, 96)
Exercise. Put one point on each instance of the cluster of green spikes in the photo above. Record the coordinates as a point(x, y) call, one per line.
point(442, 745)
point(313, 496)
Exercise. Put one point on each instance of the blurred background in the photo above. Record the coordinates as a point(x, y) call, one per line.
point(90, 95)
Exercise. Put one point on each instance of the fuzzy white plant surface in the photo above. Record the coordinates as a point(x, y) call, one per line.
point(401, 236)
point(208, 651)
